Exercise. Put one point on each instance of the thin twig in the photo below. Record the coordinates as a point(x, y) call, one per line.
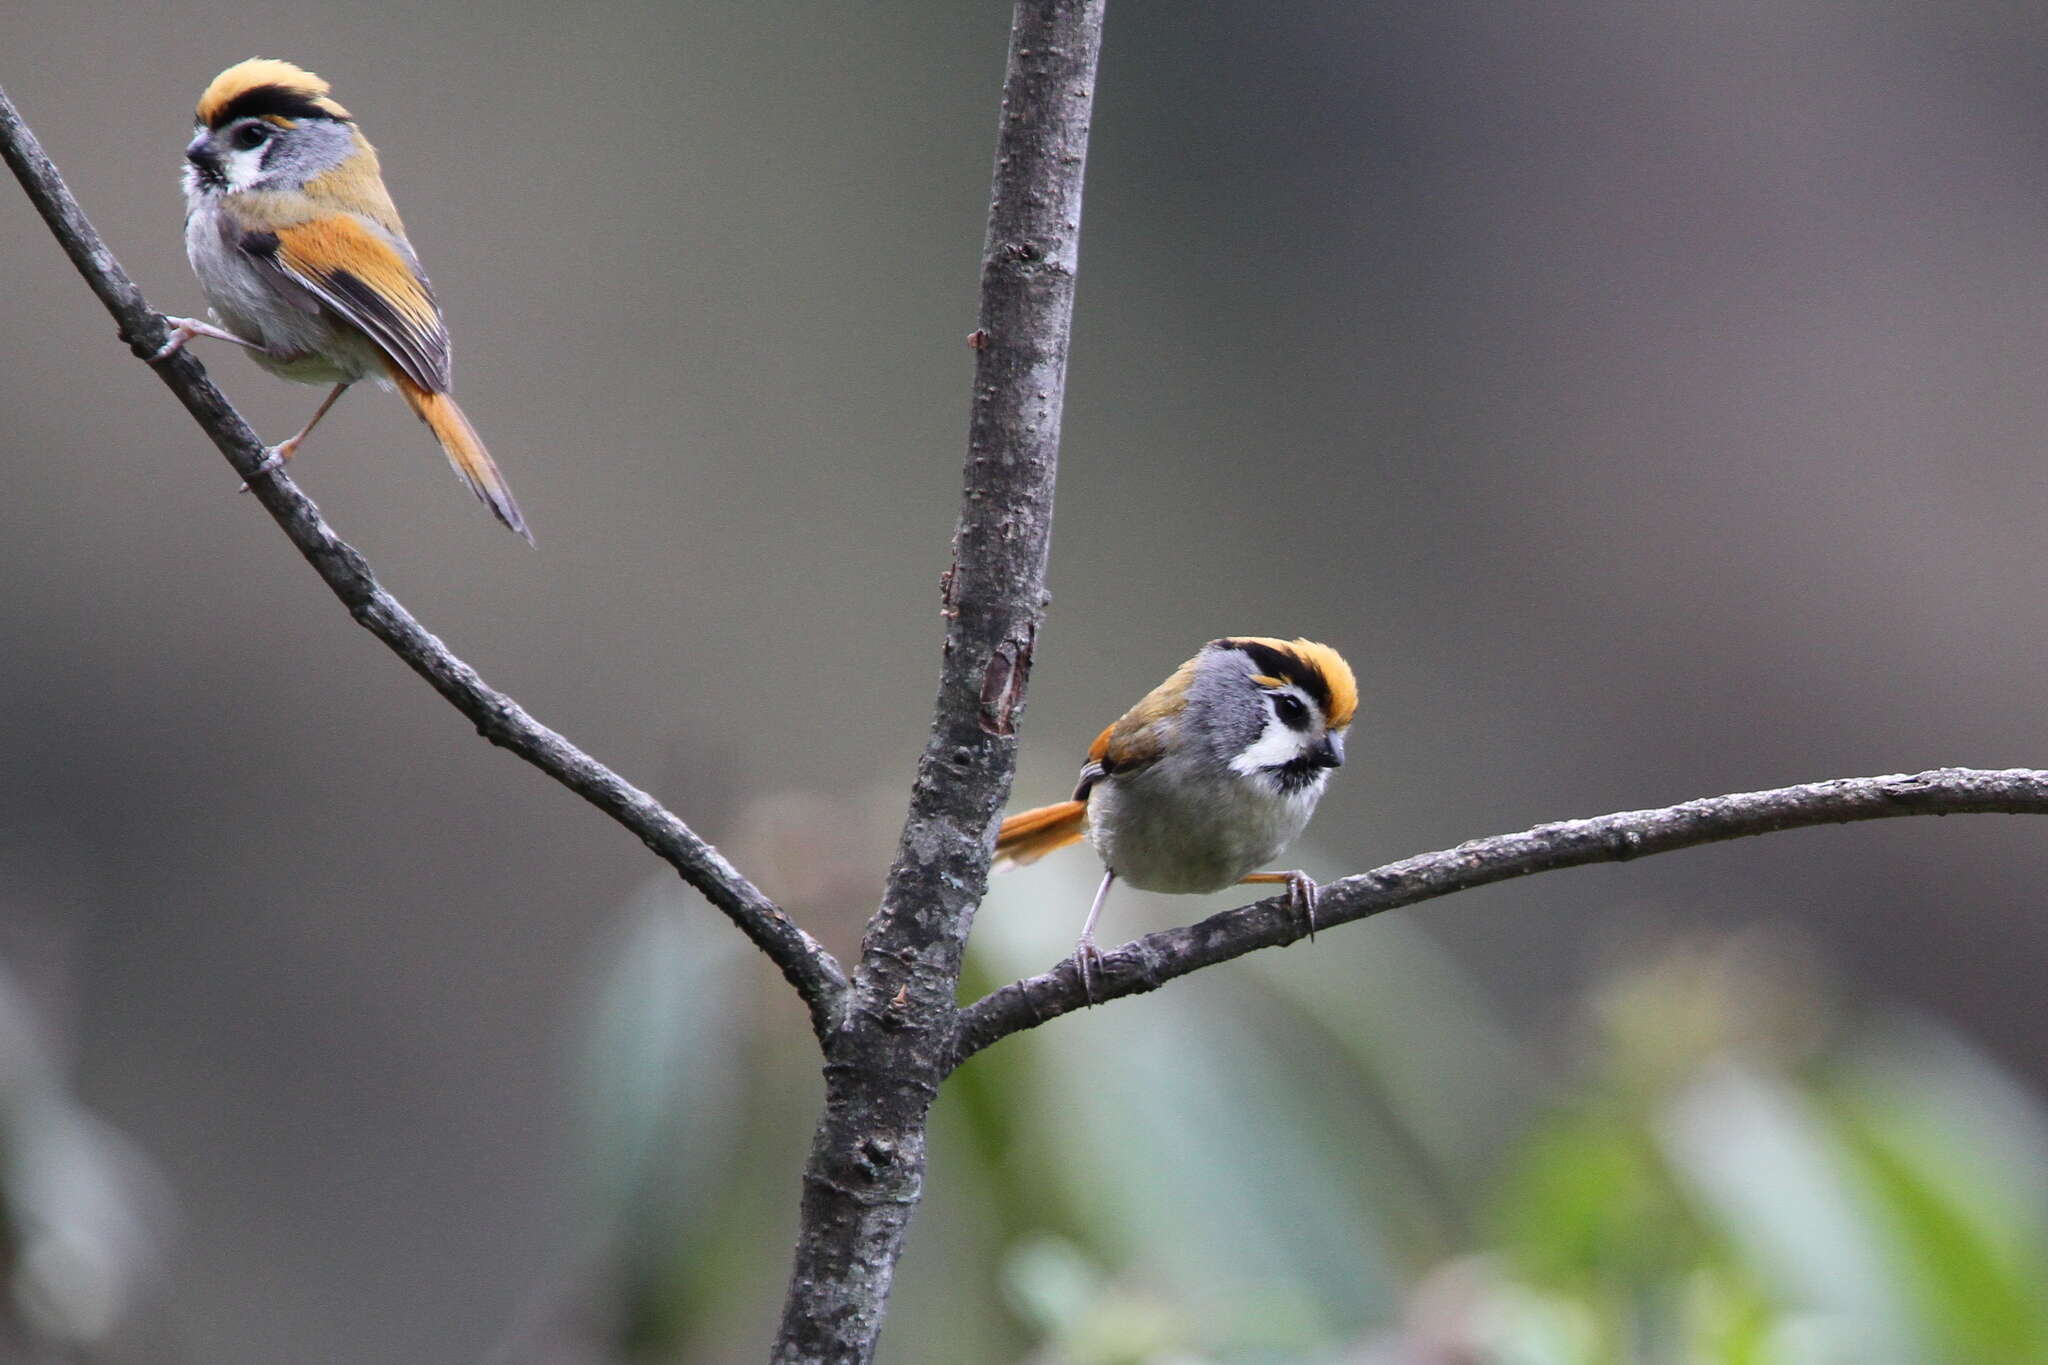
point(814, 972)
point(1148, 963)
point(883, 1067)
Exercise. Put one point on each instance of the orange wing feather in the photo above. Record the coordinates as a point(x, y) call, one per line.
point(1134, 741)
point(1139, 735)
point(1099, 750)
point(363, 277)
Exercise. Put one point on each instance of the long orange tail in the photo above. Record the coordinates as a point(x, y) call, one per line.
point(1029, 835)
point(465, 449)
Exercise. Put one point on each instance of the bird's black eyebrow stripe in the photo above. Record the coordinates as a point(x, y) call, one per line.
point(1285, 663)
point(260, 101)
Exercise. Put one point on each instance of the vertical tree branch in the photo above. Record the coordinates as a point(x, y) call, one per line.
point(884, 1064)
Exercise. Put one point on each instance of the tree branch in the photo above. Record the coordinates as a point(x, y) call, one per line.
point(883, 1067)
point(1148, 963)
point(814, 972)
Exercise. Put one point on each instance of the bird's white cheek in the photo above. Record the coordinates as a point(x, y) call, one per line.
point(1275, 745)
point(244, 168)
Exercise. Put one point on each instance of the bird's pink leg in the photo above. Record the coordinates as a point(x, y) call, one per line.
point(275, 457)
point(1085, 951)
point(184, 329)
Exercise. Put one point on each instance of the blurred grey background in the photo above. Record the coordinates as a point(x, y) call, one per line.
point(1645, 398)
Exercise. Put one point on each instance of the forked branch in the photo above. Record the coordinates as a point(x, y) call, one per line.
point(814, 972)
point(1148, 963)
point(892, 1037)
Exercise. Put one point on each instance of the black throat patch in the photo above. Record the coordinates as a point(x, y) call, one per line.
point(1297, 774)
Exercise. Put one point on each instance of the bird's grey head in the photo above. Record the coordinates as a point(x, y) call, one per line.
point(270, 137)
point(1274, 711)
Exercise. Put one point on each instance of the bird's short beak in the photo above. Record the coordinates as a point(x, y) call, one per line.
point(199, 152)
point(1329, 752)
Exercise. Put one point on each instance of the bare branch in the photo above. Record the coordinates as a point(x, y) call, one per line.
point(814, 973)
point(1148, 963)
point(883, 1067)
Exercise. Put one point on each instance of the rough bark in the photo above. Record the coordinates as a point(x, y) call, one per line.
point(883, 1066)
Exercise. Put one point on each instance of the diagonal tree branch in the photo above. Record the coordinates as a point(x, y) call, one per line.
point(812, 970)
point(883, 1067)
point(1148, 963)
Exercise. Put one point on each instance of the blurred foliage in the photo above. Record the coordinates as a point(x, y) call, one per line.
point(1740, 1176)
point(1340, 1155)
point(1336, 1154)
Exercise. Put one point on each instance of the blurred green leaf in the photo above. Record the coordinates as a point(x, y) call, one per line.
point(1587, 1203)
point(1729, 1319)
point(1981, 1306)
point(1965, 1249)
point(1759, 1162)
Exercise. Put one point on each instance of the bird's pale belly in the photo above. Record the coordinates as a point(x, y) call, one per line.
point(299, 337)
point(1175, 837)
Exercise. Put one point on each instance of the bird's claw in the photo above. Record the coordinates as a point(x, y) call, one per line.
point(1086, 954)
point(182, 331)
point(273, 460)
point(1302, 896)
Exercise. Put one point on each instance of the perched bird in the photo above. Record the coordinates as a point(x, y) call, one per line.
point(304, 261)
point(1212, 774)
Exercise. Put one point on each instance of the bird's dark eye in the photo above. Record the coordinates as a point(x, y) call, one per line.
point(1288, 707)
point(251, 135)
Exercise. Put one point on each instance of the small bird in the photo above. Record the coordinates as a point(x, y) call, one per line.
point(304, 261)
point(1212, 774)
